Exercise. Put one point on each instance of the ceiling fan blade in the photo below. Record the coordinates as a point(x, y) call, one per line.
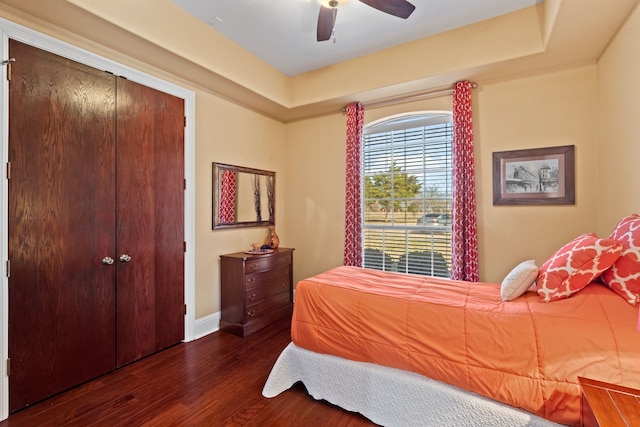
point(326, 20)
point(400, 8)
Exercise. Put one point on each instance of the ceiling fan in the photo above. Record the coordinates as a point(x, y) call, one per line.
point(329, 11)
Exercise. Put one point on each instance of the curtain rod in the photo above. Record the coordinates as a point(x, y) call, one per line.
point(417, 96)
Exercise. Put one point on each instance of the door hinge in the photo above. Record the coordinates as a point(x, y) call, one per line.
point(8, 268)
point(8, 62)
point(9, 71)
point(185, 309)
point(8, 170)
point(184, 246)
point(185, 121)
point(185, 184)
point(8, 366)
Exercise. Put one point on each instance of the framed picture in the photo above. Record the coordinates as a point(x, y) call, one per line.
point(540, 176)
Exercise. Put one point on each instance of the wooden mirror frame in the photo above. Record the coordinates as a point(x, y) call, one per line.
point(226, 178)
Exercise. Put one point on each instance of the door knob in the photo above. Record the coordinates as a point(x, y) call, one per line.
point(125, 258)
point(107, 260)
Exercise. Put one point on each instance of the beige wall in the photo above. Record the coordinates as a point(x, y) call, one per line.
point(618, 133)
point(545, 110)
point(314, 200)
point(538, 111)
point(228, 133)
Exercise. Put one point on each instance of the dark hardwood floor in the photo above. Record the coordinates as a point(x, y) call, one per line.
point(214, 381)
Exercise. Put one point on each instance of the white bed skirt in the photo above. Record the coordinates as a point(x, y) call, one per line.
point(388, 396)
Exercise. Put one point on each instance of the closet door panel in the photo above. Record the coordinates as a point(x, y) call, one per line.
point(150, 225)
point(61, 224)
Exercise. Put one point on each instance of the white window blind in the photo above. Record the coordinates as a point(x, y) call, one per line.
point(407, 190)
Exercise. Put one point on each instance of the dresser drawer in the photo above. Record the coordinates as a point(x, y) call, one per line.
point(257, 323)
point(260, 293)
point(268, 305)
point(278, 274)
point(266, 262)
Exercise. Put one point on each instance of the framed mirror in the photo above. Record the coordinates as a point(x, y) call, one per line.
point(243, 197)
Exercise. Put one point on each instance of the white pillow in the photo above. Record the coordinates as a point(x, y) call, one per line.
point(518, 280)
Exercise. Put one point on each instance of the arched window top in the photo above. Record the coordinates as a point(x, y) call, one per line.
point(408, 121)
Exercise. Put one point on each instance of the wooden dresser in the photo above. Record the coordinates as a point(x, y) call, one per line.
point(608, 405)
point(256, 290)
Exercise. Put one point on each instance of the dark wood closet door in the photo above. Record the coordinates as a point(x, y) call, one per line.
point(61, 224)
point(150, 212)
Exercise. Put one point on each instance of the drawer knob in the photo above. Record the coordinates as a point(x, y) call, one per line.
point(252, 297)
point(286, 271)
point(253, 266)
point(251, 281)
point(251, 313)
point(284, 285)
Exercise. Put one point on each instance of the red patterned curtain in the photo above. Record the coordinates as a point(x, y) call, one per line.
point(353, 198)
point(464, 262)
point(228, 197)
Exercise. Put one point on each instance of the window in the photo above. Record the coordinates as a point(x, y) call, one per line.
point(407, 194)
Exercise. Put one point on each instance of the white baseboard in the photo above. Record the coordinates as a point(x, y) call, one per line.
point(207, 325)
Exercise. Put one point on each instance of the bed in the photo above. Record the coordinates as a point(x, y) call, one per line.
point(404, 349)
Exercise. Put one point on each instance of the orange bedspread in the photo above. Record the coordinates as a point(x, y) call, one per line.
point(522, 352)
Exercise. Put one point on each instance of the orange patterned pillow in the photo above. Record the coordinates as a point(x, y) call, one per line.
point(624, 276)
point(575, 265)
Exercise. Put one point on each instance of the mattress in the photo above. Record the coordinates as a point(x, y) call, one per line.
point(522, 352)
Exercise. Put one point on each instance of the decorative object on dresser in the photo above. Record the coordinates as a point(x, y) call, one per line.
point(272, 240)
point(609, 405)
point(256, 290)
